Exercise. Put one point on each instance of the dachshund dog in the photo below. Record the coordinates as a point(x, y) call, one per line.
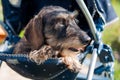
point(53, 33)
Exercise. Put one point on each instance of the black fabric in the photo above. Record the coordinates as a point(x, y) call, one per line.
point(109, 11)
point(52, 69)
point(104, 7)
point(29, 8)
point(12, 15)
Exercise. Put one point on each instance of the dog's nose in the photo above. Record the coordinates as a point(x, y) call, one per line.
point(86, 40)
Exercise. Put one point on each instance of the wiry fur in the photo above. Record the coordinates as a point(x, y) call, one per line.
point(52, 33)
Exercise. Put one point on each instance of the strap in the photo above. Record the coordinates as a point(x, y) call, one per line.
point(8, 28)
point(11, 57)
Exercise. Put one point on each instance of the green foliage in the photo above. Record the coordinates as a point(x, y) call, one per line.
point(117, 71)
point(1, 16)
point(111, 33)
point(116, 6)
point(21, 33)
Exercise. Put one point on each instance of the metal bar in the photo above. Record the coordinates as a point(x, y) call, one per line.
point(92, 64)
point(92, 26)
point(89, 18)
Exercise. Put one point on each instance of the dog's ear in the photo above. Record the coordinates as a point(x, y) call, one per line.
point(73, 14)
point(33, 32)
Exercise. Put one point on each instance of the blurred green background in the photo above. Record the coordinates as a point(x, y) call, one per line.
point(1, 17)
point(111, 36)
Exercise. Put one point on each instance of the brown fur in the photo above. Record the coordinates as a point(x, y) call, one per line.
point(52, 33)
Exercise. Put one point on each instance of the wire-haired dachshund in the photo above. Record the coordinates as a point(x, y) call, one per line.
point(54, 33)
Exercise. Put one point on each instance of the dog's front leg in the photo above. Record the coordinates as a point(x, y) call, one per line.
point(71, 60)
point(44, 53)
point(72, 63)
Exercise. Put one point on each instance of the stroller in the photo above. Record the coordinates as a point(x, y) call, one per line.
point(96, 15)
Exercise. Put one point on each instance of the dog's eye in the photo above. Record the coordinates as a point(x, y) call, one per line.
point(60, 26)
point(61, 31)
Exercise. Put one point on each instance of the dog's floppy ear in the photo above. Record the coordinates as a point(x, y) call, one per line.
point(33, 32)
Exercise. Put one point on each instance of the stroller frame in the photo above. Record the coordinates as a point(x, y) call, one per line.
point(97, 39)
point(104, 52)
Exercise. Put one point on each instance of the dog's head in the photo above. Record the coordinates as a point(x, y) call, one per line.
point(56, 27)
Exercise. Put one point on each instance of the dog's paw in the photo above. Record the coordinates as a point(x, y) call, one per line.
point(39, 56)
point(72, 63)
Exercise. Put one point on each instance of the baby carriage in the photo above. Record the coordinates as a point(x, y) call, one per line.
point(96, 15)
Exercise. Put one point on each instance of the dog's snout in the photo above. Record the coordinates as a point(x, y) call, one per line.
point(84, 37)
point(86, 40)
